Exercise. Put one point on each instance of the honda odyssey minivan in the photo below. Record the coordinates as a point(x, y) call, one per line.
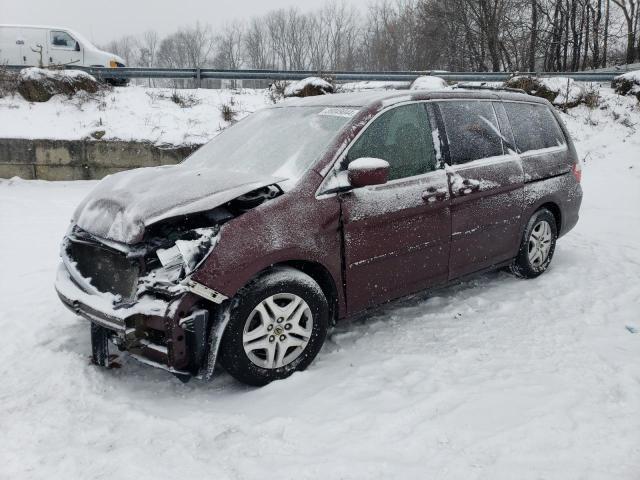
point(312, 211)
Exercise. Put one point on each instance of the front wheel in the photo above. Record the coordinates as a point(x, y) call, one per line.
point(277, 326)
point(538, 245)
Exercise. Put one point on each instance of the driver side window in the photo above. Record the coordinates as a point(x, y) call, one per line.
point(61, 39)
point(402, 137)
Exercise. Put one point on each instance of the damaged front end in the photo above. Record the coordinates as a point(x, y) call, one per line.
point(142, 298)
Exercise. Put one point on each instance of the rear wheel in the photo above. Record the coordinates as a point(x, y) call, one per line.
point(277, 326)
point(538, 245)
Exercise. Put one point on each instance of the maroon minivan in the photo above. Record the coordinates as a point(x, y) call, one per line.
point(311, 211)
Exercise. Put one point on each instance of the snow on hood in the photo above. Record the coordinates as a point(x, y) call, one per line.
point(123, 205)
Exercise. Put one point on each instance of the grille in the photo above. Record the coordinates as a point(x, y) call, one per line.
point(108, 270)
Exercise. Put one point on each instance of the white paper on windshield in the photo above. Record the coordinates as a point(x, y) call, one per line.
point(338, 112)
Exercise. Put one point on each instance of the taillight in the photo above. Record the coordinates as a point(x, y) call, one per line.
point(577, 171)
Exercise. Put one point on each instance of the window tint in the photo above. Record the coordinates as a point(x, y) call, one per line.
point(472, 130)
point(62, 40)
point(534, 126)
point(402, 137)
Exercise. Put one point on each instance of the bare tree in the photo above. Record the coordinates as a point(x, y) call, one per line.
point(630, 10)
point(482, 35)
point(125, 47)
point(230, 42)
point(257, 47)
point(148, 49)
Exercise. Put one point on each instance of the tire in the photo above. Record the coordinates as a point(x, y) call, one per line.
point(278, 323)
point(537, 246)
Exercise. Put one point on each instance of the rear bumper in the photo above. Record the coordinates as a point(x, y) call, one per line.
point(156, 331)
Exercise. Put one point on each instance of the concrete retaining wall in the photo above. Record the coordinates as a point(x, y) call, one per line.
point(81, 159)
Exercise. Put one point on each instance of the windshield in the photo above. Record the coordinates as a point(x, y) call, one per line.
point(83, 41)
point(280, 142)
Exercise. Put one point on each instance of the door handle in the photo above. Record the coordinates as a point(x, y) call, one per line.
point(468, 186)
point(432, 194)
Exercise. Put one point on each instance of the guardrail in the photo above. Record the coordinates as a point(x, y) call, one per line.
point(340, 76)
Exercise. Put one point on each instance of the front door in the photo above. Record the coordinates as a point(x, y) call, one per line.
point(486, 181)
point(63, 49)
point(396, 236)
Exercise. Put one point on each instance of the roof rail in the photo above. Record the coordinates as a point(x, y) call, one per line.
point(483, 86)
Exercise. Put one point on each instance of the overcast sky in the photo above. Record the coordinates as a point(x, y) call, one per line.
point(103, 21)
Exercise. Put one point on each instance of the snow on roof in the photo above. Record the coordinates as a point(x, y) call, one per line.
point(48, 27)
point(78, 36)
point(369, 98)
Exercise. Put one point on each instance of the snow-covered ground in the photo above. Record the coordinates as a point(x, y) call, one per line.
point(496, 378)
point(158, 115)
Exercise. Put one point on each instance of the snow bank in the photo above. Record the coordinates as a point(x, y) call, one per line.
point(161, 116)
point(39, 84)
point(631, 76)
point(568, 91)
point(429, 83)
point(628, 84)
point(308, 87)
point(35, 73)
point(561, 91)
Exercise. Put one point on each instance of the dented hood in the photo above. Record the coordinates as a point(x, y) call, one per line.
point(123, 205)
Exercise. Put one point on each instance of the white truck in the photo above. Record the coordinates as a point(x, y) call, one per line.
point(32, 45)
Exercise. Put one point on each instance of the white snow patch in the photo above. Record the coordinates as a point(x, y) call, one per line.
point(128, 113)
point(569, 91)
point(35, 73)
point(295, 88)
point(372, 85)
point(633, 76)
point(427, 82)
point(366, 163)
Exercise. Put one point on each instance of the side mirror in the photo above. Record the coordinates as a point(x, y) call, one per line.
point(77, 49)
point(368, 171)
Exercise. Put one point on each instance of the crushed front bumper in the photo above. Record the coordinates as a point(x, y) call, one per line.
point(166, 333)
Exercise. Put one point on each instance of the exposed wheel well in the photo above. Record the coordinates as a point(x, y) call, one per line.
point(555, 209)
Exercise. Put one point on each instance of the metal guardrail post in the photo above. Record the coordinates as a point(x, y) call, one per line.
point(199, 77)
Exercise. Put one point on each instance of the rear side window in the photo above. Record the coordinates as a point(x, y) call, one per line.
point(534, 126)
point(472, 130)
point(402, 137)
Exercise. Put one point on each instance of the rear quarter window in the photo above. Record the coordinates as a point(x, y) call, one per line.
point(534, 126)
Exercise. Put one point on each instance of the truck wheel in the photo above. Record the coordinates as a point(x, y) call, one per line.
point(99, 345)
point(277, 326)
point(538, 245)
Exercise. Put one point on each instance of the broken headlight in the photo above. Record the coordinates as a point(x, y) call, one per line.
point(187, 253)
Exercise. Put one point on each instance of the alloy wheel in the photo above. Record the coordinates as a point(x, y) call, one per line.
point(277, 330)
point(540, 244)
